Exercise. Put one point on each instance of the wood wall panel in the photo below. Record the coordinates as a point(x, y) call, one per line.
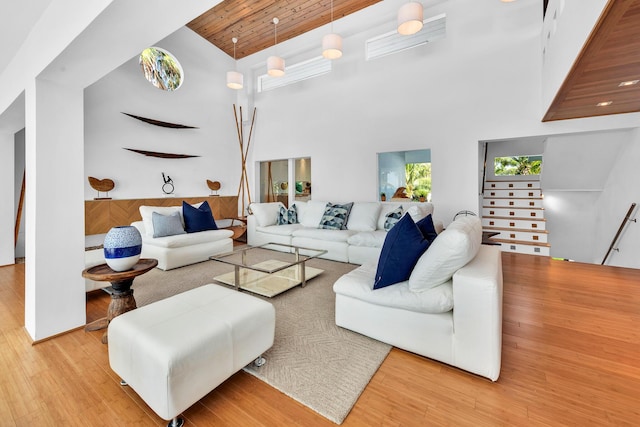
point(101, 215)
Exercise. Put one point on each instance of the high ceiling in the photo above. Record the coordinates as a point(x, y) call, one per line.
point(609, 57)
point(251, 21)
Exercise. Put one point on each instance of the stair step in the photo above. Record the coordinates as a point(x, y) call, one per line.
point(526, 230)
point(519, 236)
point(525, 249)
point(521, 242)
point(511, 184)
point(513, 212)
point(514, 193)
point(499, 202)
point(513, 223)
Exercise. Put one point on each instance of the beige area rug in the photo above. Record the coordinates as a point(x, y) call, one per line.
point(312, 360)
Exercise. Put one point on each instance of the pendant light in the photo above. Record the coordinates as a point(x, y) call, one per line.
point(275, 64)
point(332, 43)
point(235, 79)
point(410, 18)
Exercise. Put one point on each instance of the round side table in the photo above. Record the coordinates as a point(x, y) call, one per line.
point(122, 299)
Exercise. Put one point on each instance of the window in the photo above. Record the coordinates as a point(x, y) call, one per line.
point(517, 165)
point(405, 174)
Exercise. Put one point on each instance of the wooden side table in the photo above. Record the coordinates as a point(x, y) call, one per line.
point(122, 299)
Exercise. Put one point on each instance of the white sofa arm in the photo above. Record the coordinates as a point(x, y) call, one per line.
point(477, 314)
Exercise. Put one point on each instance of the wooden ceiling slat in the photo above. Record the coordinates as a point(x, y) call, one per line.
point(251, 21)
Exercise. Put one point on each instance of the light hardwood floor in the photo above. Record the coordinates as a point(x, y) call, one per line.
point(571, 356)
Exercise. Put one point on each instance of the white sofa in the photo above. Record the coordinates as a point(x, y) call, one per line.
point(359, 243)
point(181, 249)
point(458, 321)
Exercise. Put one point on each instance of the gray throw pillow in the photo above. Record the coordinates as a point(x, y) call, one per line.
point(166, 225)
point(393, 217)
point(336, 216)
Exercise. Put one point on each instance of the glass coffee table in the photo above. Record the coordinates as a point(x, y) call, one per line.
point(269, 277)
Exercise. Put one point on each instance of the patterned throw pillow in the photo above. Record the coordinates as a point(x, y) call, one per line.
point(393, 217)
point(288, 216)
point(336, 216)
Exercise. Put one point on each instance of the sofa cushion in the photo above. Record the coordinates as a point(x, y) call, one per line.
point(287, 216)
point(189, 239)
point(324, 234)
point(198, 219)
point(280, 230)
point(427, 228)
point(385, 208)
point(393, 217)
point(452, 249)
point(402, 247)
point(418, 211)
point(312, 213)
point(266, 213)
point(335, 216)
point(363, 216)
point(371, 239)
point(166, 225)
point(146, 212)
point(358, 284)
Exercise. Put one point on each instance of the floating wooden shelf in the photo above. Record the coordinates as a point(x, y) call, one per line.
point(160, 122)
point(161, 155)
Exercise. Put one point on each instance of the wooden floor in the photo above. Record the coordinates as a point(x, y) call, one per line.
point(571, 356)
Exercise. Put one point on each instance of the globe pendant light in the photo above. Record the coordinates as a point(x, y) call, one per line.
point(275, 64)
point(235, 79)
point(410, 18)
point(332, 43)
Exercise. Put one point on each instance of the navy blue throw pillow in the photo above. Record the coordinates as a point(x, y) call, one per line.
point(198, 219)
point(402, 248)
point(427, 228)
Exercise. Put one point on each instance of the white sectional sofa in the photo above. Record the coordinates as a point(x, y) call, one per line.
point(360, 242)
point(180, 249)
point(449, 310)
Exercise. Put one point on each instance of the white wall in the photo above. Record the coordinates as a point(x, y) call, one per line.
point(7, 214)
point(203, 101)
point(620, 190)
point(482, 82)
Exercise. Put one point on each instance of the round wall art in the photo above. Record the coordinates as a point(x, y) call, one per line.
point(161, 68)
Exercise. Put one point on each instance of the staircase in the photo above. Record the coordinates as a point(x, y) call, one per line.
point(513, 209)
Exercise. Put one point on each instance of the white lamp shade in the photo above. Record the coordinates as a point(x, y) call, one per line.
point(410, 18)
point(275, 66)
point(332, 46)
point(235, 80)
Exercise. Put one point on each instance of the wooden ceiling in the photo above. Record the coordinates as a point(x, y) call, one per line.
point(610, 56)
point(251, 21)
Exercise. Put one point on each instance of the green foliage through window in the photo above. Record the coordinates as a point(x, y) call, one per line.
point(517, 165)
point(418, 177)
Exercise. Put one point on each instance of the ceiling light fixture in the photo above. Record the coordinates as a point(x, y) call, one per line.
point(604, 104)
point(235, 79)
point(410, 18)
point(275, 64)
point(628, 83)
point(332, 43)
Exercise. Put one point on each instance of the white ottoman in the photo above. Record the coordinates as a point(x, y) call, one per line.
point(175, 351)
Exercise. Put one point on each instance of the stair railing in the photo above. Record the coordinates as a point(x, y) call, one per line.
point(617, 236)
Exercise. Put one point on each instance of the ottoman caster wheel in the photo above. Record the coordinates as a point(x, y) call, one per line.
point(176, 422)
point(123, 383)
point(259, 361)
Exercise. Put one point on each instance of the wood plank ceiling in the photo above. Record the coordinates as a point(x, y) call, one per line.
point(610, 56)
point(251, 21)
